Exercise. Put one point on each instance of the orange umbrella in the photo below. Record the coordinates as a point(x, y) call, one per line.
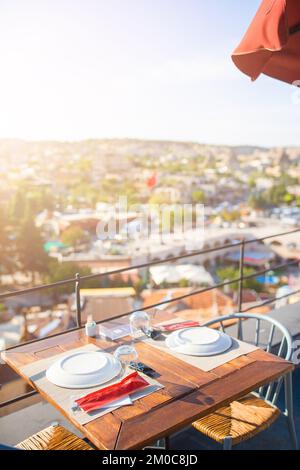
point(271, 44)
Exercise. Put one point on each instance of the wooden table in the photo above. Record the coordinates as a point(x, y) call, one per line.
point(189, 393)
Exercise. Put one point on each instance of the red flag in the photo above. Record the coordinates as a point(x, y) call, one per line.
point(152, 181)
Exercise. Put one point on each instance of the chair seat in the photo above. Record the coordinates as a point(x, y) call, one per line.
point(54, 438)
point(240, 420)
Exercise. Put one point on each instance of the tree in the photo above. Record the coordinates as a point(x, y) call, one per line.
point(183, 283)
point(251, 183)
point(112, 189)
point(230, 273)
point(257, 201)
point(198, 196)
point(275, 195)
point(61, 271)
point(288, 198)
point(30, 248)
point(40, 199)
point(139, 285)
point(287, 179)
point(17, 207)
point(83, 193)
point(74, 236)
point(159, 198)
point(3, 313)
point(28, 200)
point(230, 216)
point(7, 260)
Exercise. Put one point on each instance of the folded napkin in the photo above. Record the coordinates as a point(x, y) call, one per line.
point(179, 326)
point(96, 400)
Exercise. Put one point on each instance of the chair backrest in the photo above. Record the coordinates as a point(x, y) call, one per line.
point(263, 331)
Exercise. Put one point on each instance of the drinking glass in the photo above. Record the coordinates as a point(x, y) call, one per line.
point(126, 354)
point(139, 323)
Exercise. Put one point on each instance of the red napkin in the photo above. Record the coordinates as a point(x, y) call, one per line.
point(98, 399)
point(179, 326)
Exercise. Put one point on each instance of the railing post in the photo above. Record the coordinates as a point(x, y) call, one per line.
point(241, 275)
point(78, 300)
point(240, 287)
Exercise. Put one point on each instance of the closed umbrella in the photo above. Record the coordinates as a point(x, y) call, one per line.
point(271, 44)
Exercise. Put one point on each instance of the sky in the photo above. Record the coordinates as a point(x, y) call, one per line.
point(150, 69)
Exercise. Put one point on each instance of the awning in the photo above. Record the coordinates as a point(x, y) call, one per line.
point(271, 44)
point(174, 274)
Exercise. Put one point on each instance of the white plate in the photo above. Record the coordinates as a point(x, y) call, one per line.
point(199, 341)
point(83, 369)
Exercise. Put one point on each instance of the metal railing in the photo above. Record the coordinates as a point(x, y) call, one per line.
point(78, 280)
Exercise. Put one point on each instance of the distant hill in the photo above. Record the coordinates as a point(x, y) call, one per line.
point(247, 149)
point(19, 150)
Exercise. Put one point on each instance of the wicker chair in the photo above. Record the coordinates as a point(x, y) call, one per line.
point(255, 412)
point(54, 438)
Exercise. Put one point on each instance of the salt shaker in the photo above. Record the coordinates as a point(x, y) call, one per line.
point(90, 327)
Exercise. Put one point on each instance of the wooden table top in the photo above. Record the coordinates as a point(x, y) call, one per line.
point(189, 393)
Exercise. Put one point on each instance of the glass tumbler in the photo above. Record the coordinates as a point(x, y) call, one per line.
point(126, 354)
point(139, 323)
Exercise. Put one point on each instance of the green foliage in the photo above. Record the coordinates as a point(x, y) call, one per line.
point(115, 251)
point(7, 259)
point(288, 198)
point(159, 198)
point(251, 183)
point(287, 179)
point(198, 197)
point(60, 271)
point(30, 251)
point(3, 316)
point(230, 216)
point(17, 206)
point(275, 195)
point(30, 200)
point(278, 194)
point(139, 286)
point(40, 199)
point(183, 283)
point(84, 166)
point(230, 273)
point(112, 189)
point(83, 193)
point(74, 236)
point(257, 201)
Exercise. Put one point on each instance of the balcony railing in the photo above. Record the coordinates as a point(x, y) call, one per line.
point(77, 281)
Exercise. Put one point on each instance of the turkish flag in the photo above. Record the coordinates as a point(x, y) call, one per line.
point(152, 181)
